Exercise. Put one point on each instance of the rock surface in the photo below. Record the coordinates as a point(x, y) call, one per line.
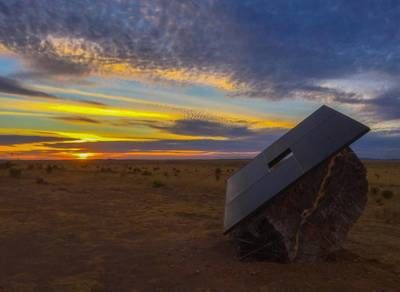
point(311, 219)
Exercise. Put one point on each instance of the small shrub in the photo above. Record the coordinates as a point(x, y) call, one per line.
point(218, 172)
point(41, 181)
point(387, 194)
point(147, 173)
point(156, 168)
point(176, 171)
point(15, 172)
point(30, 167)
point(166, 174)
point(6, 165)
point(375, 191)
point(49, 169)
point(158, 184)
point(379, 201)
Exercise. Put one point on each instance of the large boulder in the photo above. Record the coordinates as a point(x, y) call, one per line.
point(311, 219)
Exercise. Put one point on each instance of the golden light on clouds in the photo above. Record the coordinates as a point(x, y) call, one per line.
point(82, 51)
point(69, 107)
point(5, 51)
point(78, 49)
point(222, 115)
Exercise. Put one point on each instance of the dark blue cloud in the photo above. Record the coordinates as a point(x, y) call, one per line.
point(77, 119)
point(254, 143)
point(206, 128)
point(379, 146)
point(11, 86)
point(23, 139)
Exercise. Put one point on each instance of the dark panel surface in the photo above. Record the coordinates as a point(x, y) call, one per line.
point(315, 139)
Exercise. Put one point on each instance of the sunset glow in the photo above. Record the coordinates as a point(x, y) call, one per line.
point(207, 83)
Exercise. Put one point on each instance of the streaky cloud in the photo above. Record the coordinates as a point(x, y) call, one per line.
point(76, 119)
point(24, 139)
point(206, 128)
point(11, 86)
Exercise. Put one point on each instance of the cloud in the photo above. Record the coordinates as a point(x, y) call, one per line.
point(254, 143)
point(271, 49)
point(14, 87)
point(378, 146)
point(206, 128)
point(382, 107)
point(373, 145)
point(76, 119)
point(24, 139)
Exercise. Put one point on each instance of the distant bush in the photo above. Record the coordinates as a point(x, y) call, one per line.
point(6, 165)
point(136, 170)
point(158, 184)
point(176, 171)
point(375, 191)
point(156, 168)
point(49, 169)
point(15, 172)
point(30, 167)
point(166, 174)
point(387, 194)
point(41, 181)
point(147, 173)
point(218, 172)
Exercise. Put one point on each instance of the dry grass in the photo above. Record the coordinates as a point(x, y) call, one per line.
point(107, 226)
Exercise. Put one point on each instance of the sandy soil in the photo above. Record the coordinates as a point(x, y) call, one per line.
point(157, 226)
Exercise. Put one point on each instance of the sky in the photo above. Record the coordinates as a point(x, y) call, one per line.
point(156, 79)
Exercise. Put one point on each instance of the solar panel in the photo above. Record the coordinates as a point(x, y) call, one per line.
point(321, 135)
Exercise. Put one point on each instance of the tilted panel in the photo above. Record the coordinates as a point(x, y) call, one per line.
point(315, 139)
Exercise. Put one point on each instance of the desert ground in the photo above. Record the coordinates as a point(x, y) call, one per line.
point(157, 226)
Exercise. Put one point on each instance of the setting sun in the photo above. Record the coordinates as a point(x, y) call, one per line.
point(83, 156)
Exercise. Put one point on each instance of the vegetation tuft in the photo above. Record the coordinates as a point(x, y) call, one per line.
point(375, 191)
point(387, 194)
point(41, 181)
point(6, 165)
point(49, 169)
point(158, 184)
point(218, 172)
point(15, 172)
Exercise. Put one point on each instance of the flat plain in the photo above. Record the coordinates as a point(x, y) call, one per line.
point(157, 226)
